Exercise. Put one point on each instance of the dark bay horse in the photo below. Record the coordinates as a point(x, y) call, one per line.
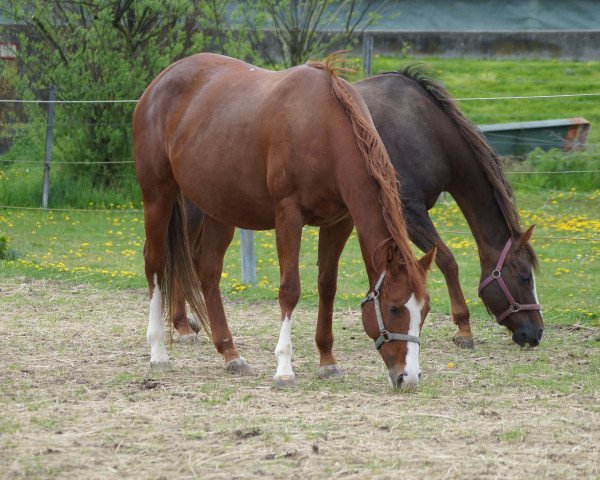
point(434, 148)
point(259, 150)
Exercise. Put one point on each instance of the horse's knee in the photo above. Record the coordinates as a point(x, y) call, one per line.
point(447, 264)
point(289, 294)
point(327, 291)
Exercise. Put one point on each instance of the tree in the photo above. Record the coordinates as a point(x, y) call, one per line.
point(312, 28)
point(104, 50)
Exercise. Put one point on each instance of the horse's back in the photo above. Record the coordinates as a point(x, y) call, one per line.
point(249, 136)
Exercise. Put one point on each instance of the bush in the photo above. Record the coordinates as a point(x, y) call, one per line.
point(3, 246)
point(587, 162)
point(6, 253)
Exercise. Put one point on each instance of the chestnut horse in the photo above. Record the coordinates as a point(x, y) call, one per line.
point(434, 148)
point(259, 150)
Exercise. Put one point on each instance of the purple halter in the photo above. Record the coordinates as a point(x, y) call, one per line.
point(497, 275)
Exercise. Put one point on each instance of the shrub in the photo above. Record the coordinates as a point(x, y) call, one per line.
point(586, 163)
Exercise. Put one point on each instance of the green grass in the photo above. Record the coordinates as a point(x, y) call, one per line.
point(21, 185)
point(469, 78)
point(105, 250)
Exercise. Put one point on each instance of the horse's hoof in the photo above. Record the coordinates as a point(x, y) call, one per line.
point(186, 338)
point(194, 325)
point(160, 365)
point(238, 366)
point(284, 381)
point(464, 341)
point(330, 371)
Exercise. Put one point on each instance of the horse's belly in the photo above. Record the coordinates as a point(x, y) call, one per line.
point(249, 208)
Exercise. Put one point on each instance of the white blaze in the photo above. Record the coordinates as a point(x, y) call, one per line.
point(535, 293)
point(155, 333)
point(283, 350)
point(412, 369)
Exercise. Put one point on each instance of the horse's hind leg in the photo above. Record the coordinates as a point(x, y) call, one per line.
point(188, 327)
point(331, 243)
point(157, 213)
point(423, 234)
point(211, 248)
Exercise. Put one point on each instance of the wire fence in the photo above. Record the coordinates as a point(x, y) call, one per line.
point(498, 140)
point(468, 99)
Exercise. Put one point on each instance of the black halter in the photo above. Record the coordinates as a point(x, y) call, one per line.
point(384, 335)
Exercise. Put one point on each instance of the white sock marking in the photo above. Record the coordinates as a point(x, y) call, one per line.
point(155, 333)
point(283, 350)
point(412, 369)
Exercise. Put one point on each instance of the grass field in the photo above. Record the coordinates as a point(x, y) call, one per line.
point(78, 400)
point(469, 78)
point(104, 249)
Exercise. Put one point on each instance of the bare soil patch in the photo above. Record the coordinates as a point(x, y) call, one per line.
point(78, 399)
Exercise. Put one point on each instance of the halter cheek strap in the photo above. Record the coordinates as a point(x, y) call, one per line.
point(384, 335)
point(496, 275)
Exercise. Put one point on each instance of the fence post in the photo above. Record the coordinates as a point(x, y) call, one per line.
point(367, 53)
point(48, 156)
point(248, 259)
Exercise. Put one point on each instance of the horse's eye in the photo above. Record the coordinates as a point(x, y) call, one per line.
point(524, 279)
point(394, 310)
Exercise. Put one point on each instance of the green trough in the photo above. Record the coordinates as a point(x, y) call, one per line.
point(518, 139)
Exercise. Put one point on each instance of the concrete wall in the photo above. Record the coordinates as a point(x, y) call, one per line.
point(569, 45)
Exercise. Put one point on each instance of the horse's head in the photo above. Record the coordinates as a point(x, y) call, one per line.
point(509, 291)
point(393, 318)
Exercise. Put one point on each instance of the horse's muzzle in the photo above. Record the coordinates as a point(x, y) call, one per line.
point(531, 335)
point(400, 380)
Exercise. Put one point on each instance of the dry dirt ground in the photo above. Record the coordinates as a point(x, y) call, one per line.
point(78, 400)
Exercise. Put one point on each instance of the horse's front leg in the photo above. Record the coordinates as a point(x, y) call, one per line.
point(288, 233)
point(331, 243)
point(423, 234)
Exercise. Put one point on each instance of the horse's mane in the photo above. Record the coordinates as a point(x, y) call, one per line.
point(378, 165)
point(482, 151)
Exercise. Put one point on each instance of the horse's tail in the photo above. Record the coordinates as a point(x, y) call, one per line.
point(380, 168)
point(179, 268)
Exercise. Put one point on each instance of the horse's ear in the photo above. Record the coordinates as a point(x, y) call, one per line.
point(524, 238)
point(427, 260)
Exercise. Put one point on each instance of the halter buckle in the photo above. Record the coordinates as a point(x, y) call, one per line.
point(515, 307)
point(386, 336)
point(496, 274)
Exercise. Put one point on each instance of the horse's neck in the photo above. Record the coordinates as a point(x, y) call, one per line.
point(478, 204)
point(372, 233)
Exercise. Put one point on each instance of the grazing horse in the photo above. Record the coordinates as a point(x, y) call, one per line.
point(434, 148)
point(259, 149)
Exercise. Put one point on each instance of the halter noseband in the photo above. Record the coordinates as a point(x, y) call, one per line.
point(497, 275)
point(384, 335)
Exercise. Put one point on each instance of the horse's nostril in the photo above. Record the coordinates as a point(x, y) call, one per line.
point(540, 333)
point(520, 338)
point(400, 380)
